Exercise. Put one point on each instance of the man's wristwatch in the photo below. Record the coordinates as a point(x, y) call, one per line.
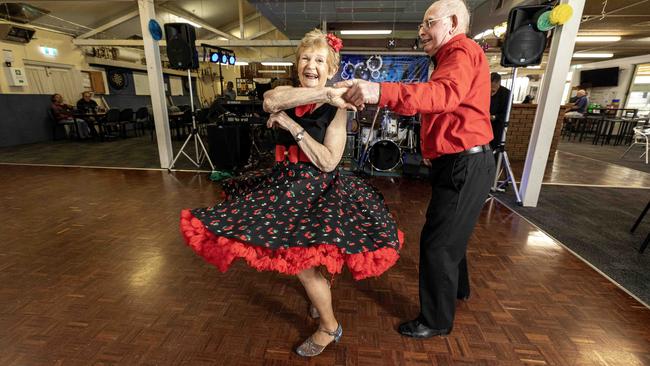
point(300, 135)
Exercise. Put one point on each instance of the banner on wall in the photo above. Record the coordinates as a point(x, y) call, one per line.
point(403, 68)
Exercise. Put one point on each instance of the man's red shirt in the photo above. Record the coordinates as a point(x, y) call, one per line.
point(454, 103)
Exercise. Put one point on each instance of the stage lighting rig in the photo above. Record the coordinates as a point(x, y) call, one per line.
point(221, 55)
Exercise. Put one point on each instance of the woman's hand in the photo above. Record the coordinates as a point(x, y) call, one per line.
point(282, 120)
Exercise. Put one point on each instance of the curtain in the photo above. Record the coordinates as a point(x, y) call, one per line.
point(38, 80)
point(65, 85)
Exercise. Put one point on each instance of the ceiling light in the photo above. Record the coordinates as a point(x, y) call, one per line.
point(593, 55)
point(274, 63)
point(177, 19)
point(241, 63)
point(366, 32)
point(598, 38)
point(534, 67)
point(484, 34)
point(500, 29)
point(271, 71)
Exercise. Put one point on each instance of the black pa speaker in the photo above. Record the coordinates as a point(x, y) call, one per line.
point(524, 44)
point(181, 50)
point(229, 145)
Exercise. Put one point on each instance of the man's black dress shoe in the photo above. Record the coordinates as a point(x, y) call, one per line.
point(416, 329)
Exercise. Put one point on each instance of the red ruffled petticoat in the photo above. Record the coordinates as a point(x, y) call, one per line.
point(221, 252)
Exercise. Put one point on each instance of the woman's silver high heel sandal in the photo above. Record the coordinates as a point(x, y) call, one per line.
point(309, 348)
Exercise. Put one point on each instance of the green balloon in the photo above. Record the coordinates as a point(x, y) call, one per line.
point(544, 22)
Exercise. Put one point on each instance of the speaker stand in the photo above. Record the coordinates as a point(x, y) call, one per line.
point(363, 156)
point(194, 135)
point(501, 153)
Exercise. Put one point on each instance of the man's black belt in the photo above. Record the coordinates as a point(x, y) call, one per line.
point(476, 150)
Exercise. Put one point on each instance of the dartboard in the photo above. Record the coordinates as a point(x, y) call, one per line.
point(117, 79)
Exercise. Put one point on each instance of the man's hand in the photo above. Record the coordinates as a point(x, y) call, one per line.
point(360, 92)
point(426, 162)
point(335, 98)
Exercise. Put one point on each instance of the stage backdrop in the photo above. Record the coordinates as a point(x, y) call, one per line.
point(404, 68)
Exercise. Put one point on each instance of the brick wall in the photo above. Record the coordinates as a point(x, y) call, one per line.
point(520, 129)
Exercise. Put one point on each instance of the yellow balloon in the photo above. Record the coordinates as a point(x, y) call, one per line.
point(561, 14)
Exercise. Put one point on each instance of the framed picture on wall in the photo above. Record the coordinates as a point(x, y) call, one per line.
point(244, 86)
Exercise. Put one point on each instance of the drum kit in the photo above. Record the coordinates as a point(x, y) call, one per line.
point(382, 145)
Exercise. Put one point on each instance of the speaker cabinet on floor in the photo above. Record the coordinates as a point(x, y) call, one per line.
point(229, 146)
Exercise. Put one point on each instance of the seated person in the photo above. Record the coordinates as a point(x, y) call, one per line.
point(230, 93)
point(63, 114)
point(86, 103)
point(580, 105)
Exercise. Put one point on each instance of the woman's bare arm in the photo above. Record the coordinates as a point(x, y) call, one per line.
point(286, 97)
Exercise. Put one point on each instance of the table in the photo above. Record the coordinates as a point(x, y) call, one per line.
point(93, 119)
point(620, 128)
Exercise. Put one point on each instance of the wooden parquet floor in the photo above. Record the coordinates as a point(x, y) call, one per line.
point(93, 271)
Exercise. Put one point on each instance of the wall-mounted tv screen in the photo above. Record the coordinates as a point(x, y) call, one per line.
point(599, 77)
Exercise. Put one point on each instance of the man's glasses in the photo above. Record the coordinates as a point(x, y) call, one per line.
point(427, 23)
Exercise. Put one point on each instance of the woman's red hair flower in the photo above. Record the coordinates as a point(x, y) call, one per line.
point(335, 42)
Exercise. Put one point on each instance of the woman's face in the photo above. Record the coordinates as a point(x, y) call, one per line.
point(313, 71)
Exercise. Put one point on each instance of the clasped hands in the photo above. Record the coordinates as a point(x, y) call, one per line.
point(358, 93)
point(348, 94)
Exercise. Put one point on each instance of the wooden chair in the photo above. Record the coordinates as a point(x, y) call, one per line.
point(56, 124)
point(126, 118)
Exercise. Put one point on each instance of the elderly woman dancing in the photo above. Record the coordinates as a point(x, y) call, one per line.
point(301, 215)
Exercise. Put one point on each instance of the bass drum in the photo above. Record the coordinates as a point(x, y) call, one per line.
point(384, 155)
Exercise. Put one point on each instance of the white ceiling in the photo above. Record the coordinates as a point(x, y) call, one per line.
point(627, 18)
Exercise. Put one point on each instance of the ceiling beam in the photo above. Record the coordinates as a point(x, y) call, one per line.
point(241, 19)
point(130, 15)
point(234, 25)
point(189, 16)
point(262, 32)
point(615, 11)
point(212, 42)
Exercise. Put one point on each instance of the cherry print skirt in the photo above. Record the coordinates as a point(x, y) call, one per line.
point(293, 217)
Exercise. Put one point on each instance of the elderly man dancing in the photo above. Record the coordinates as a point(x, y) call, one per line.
point(455, 136)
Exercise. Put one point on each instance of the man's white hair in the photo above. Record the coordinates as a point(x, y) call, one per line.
point(457, 8)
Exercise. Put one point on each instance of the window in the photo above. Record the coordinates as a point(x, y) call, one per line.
point(639, 96)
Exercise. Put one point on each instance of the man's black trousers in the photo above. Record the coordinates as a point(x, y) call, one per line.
point(460, 186)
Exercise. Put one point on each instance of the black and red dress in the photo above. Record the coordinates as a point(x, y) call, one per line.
point(295, 216)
